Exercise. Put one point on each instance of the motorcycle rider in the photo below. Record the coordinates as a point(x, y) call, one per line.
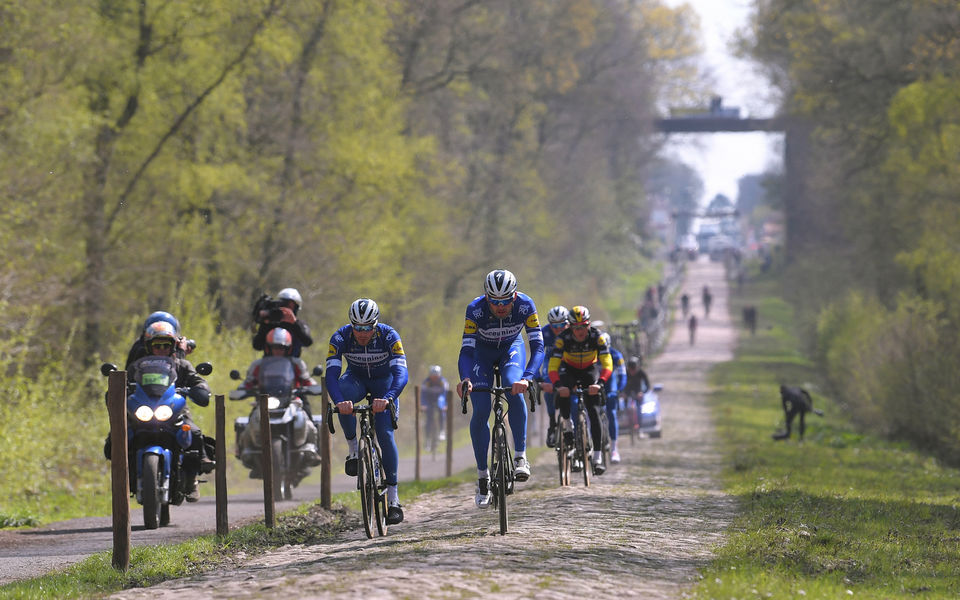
point(139, 350)
point(283, 315)
point(160, 339)
point(279, 342)
point(375, 363)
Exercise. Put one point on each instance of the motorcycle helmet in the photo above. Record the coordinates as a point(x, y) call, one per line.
point(364, 312)
point(159, 334)
point(278, 337)
point(291, 294)
point(500, 284)
point(579, 315)
point(162, 316)
point(558, 314)
point(633, 362)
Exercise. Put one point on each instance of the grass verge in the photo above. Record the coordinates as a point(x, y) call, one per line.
point(842, 514)
point(149, 565)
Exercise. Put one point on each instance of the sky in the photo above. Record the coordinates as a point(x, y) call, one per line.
point(722, 158)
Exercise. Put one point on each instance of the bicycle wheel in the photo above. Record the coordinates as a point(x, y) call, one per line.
point(380, 492)
point(583, 445)
point(501, 475)
point(367, 485)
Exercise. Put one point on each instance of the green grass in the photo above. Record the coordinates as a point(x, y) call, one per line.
point(149, 565)
point(844, 514)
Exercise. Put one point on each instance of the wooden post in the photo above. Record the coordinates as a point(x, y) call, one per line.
point(451, 402)
point(120, 475)
point(266, 462)
point(325, 475)
point(223, 525)
point(416, 428)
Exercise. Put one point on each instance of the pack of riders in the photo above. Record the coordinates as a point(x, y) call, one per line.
point(365, 358)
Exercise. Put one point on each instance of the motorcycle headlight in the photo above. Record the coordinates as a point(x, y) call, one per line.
point(163, 413)
point(144, 413)
point(273, 402)
point(648, 408)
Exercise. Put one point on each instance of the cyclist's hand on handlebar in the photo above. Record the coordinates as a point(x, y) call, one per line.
point(546, 387)
point(593, 389)
point(465, 383)
point(520, 387)
point(379, 405)
point(345, 407)
point(563, 392)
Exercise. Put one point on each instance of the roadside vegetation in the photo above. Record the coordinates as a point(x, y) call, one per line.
point(842, 514)
point(149, 565)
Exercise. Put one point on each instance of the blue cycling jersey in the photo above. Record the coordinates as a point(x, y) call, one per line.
point(549, 340)
point(382, 357)
point(485, 331)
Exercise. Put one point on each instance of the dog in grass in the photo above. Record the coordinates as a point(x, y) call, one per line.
point(796, 402)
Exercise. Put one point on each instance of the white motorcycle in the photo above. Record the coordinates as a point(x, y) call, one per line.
point(294, 436)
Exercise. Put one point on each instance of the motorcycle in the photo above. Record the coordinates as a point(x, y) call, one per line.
point(293, 436)
point(649, 418)
point(158, 438)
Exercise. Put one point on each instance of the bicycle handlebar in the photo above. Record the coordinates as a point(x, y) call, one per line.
point(532, 394)
point(332, 408)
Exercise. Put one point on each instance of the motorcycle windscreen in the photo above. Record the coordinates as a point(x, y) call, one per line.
point(276, 376)
point(156, 374)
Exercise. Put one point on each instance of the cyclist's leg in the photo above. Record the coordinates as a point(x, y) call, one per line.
point(354, 389)
point(479, 420)
point(613, 404)
point(511, 371)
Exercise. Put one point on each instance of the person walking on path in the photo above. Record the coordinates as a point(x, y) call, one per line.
point(692, 326)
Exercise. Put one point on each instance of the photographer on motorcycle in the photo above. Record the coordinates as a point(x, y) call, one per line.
point(160, 339)
point(282, 312)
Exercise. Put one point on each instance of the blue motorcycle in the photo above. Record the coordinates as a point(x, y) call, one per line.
point(158, 437)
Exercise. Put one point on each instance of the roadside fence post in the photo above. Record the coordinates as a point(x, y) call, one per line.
point(120, 475)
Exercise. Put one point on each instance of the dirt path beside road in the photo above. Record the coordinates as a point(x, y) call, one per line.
point(643, 529)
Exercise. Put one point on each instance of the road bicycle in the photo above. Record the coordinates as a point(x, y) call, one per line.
point(370, 475)
point(583, 446)
point(501, 457)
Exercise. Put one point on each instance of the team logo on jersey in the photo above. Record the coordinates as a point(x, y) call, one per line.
point(469, 327)
point(397, 347)
point(533, 321)
point(523, 309)
point(331, 351)
point(558, 344)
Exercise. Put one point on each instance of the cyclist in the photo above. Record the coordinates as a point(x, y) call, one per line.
point(617, 383)
point(491, 335)
point(433, 402)
point(556, 324)
point(375, 364)
point(581, 356)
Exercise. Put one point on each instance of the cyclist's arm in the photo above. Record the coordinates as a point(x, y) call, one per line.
point(398, 366)
point(535, 339)
point(556, 357)
point(334, 366)
point(468, 349)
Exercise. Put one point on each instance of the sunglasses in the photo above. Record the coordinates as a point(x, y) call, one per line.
point(558, 325)
point(363, 328)
point(500, 301)
point(580, 326)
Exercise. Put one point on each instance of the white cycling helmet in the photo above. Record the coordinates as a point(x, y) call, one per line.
point(364, 311)
point(500, 284)
point(290, 294)
point(558, 314)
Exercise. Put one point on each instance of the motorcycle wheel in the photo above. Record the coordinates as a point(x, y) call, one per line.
point(150, 476)
point(278, 478)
